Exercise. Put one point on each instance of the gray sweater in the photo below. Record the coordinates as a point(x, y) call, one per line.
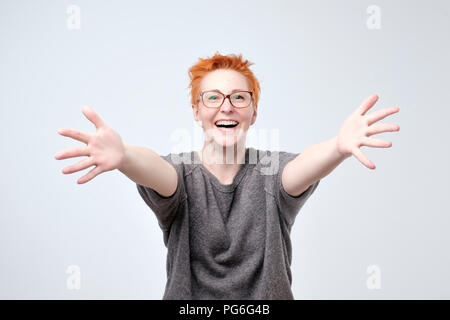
point(228, 241)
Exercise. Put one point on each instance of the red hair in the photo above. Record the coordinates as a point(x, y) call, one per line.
point(218, 61)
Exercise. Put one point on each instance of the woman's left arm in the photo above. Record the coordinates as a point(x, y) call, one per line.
point(319, 159)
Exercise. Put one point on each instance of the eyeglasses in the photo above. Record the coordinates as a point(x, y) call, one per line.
point(215, 98)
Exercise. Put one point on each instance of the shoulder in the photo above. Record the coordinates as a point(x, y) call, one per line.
point(184, 162)
point(269, 162)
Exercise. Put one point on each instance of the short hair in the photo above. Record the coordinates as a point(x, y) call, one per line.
point(199, 70)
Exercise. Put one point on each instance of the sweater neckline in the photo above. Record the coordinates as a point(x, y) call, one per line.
point(215, 181)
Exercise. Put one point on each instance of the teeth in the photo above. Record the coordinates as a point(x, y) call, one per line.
point(227, 122)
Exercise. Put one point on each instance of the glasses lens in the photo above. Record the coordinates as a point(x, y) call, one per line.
point(212, 99)
point(241, 99)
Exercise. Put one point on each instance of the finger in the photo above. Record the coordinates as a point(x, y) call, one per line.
point(75, 134)
point(380, 114)
point(83, 164)
point(90, 175)
point(92, 116)
point(75, 152)
point(376, 143)
point(362, 158)
point(367, 104)
point(381, 127)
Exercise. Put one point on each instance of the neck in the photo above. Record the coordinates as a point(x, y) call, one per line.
point(215, 156)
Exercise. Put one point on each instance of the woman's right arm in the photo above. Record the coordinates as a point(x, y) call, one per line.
point(145, 167)
point(106, 151)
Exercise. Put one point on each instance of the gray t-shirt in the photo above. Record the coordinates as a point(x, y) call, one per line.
point(228, 241)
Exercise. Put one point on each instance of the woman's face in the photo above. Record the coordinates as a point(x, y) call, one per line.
point(224, 80)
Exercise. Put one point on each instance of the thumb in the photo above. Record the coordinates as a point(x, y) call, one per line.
point(92, 116)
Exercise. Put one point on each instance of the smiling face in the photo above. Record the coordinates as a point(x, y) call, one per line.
point(226, 81)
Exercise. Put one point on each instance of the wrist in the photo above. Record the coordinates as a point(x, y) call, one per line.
point(341, 154)
point(125, 157)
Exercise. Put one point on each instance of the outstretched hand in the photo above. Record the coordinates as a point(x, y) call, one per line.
point(104, 149)
point(359, 126)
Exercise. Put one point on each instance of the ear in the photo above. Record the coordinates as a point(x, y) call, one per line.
point(195, 112)
point(255, 113)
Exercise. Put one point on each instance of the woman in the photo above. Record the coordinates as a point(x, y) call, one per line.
point(226, 212)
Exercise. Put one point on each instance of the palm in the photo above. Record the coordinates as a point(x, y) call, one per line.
point(359, 126)
point(104, 148)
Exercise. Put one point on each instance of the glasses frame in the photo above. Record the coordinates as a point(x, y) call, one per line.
point(225, 97)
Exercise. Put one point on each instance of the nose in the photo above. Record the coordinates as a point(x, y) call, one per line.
point(226, 105)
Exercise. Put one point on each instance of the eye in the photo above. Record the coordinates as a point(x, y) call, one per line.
point(212, 97)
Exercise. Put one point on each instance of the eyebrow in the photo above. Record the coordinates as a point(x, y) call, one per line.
point(217, 90)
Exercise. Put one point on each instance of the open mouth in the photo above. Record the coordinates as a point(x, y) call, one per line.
point(226, 124)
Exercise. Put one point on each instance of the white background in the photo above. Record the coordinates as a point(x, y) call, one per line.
point(316, 62)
